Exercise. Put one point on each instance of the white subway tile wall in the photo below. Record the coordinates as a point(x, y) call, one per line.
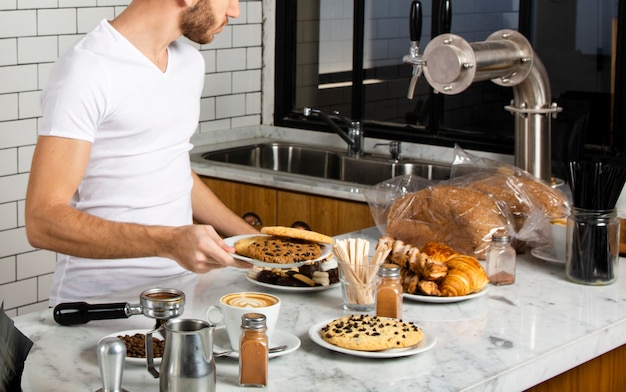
point(32, 35)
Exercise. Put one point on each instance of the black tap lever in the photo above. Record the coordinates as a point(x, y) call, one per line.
point(415, 22)
point(445, 16)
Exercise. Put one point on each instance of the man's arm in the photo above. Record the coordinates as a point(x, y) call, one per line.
point(52, 223)
point(209, 209)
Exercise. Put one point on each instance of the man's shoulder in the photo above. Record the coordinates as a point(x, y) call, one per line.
point(85, 52)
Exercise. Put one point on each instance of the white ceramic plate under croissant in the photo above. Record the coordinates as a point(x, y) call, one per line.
point(444, 300)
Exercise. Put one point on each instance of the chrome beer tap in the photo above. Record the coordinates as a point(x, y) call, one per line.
point(414, 58)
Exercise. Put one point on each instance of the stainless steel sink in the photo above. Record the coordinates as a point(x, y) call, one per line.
point(324, 163)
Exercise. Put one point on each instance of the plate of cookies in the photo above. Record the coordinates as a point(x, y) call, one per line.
point(372, 336)
point(281, 247)
point(306, 278)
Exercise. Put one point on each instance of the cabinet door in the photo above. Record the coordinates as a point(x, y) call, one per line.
point(325, 215)
point(242, 198)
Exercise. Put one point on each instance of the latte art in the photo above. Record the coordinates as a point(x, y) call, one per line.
point(250, 300)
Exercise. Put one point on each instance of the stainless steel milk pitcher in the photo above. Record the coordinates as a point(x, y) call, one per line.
point(187, 364)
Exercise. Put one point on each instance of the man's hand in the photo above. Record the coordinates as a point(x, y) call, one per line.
point(199, 248)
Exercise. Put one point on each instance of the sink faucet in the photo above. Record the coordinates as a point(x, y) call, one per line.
point(394, 149)
point(354, 135)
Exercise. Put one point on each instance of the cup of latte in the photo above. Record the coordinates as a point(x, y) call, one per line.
point(233, 306)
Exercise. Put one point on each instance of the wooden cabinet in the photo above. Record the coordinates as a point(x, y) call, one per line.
point(604, 373)
point(242, 198)
point(326, 215)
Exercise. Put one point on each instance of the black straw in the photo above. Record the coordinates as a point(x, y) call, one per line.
point(596, 185)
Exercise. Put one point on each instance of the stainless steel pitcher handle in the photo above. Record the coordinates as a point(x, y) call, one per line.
point(150, 353)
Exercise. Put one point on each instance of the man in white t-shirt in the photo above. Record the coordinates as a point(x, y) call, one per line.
point(111, 187)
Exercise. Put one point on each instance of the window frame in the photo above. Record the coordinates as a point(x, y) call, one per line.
point(285, 114)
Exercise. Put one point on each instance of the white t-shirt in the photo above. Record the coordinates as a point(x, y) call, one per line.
point(139, 121)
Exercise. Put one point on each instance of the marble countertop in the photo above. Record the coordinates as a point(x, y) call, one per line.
point(509, 339)
point(218, 140)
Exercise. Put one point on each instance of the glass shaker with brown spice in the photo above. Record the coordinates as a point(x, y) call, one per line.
point(389, 292)
point(501, 259)
point(253, 351)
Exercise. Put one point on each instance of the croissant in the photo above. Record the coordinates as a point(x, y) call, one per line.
point(412, 285)
point(465, 276)
point(429, 288)
point(438, 251)
point(434, 270)
point(400, 254)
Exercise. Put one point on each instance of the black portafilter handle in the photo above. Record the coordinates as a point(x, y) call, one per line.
point(415, 21)
point(73, 313)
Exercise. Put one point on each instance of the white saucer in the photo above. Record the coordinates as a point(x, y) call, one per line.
point(222, 343)
point(231, 241)
point(292, 288)
point(546, 253)
point(134, 360)
point(426, 344)
point(444, 300)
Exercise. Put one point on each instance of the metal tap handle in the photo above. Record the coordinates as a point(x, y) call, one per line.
point(111, 353)
point(415, 22)
point(394, 148)
point(445, 16)
point(415, 34)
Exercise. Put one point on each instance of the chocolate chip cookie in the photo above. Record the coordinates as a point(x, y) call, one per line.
point(371, 333)
point(278, 250)
point(293, 233)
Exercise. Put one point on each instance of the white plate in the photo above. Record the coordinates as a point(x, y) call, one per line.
point(134, 360)
point(444, 300)
point(426, 344)
point(231, 241)
point(546, 253)
point(292, 288)
point(221, 343)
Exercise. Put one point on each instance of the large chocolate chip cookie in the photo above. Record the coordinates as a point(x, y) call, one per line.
point(277, 250)
point(371, 333)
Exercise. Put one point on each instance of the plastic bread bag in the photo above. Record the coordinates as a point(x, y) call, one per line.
point(381, 196)
point(532, 202)
point(416, 211)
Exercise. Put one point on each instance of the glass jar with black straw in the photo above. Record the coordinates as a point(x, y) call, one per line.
point(593, 227)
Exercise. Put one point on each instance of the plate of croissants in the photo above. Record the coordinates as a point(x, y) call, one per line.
point(436, 273)
point(444, 300)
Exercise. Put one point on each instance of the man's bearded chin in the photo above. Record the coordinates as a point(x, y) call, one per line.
point(195, 23)
point(200, 39)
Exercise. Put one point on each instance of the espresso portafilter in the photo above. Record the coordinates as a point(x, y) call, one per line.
point(161, 304)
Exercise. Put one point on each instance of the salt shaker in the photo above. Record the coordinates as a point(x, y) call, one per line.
point(253, 351)
point(389, 292)
point(501, 259)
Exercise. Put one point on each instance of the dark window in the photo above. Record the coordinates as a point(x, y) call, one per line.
point(346, 56)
